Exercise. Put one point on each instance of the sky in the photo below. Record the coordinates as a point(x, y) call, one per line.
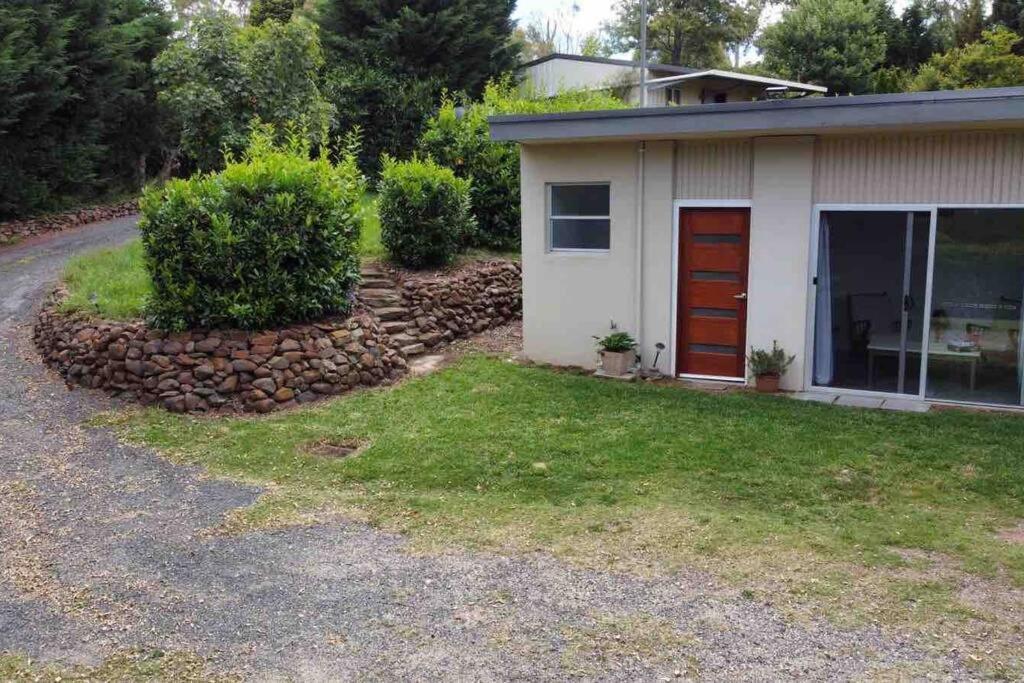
point(592, 13)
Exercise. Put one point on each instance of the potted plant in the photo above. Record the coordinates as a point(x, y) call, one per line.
point(768, 367)
point(618, 353)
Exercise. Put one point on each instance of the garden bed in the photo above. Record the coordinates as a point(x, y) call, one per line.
point(262, 371)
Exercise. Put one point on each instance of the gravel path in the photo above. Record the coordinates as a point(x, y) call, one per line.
point(103, 548)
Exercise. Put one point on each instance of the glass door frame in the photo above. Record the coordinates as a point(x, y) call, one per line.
point(933, 210)
point(812, 299)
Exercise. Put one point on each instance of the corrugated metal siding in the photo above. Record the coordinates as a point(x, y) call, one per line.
point(971, 167)
point(713, 169)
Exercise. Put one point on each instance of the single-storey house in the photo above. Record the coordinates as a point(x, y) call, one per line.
point(667, 84)
point(879, 239)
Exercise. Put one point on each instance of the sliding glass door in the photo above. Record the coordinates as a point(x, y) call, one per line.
point(876, 326)
point(870, 293)
point(975, 350)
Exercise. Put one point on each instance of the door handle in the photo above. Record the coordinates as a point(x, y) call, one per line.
point(740, 296)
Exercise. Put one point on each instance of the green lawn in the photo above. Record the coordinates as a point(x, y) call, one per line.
point(869, 514)
point(111, 283)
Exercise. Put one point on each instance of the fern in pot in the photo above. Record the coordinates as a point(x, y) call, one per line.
point(618, 353)
point(768, 367)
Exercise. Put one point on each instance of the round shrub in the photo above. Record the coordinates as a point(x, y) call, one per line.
point(425, 212)
point(272, 239)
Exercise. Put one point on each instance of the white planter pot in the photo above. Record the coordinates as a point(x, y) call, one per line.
point(617, 363)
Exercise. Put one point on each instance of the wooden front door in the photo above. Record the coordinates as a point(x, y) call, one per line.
point(714, 248)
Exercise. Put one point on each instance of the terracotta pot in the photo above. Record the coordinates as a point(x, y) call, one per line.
point(617, 363)
point(767, 384)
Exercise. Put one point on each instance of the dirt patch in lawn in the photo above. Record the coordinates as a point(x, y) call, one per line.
point(335, 449)
point(1013, 534)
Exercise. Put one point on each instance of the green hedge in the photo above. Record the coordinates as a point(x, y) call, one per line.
point(270, 240)
point(460, 138)
point(425, 212)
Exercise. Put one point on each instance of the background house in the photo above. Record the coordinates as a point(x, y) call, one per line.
point(667, 84)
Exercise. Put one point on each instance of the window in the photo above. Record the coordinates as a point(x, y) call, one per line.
point(579, 217)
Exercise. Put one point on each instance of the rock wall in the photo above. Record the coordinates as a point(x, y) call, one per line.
point(425, 311)
point(232, 370)
point(15, 230)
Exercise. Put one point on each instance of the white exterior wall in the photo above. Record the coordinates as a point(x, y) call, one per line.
point(780, 238)
point(569, 74)
point(568, 298)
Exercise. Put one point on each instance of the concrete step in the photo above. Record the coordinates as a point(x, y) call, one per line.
point(391, 312)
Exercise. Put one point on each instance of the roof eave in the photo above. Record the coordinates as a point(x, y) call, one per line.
point(767, 118)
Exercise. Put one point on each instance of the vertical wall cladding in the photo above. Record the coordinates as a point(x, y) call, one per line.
point(985, 167)
point(713, 169)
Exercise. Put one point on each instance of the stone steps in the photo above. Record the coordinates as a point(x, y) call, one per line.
point(378, 292)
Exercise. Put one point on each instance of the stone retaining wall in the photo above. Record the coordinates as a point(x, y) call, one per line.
point(444, 307)
point(15, 230)
point(262, 371)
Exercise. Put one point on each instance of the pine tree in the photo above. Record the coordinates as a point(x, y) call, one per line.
point(460, 43)
point(1008, 13)
point(76, 98)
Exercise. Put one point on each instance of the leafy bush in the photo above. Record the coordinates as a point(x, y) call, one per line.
point(270, 240)
point(220, 77)
point(459, 137)
point(424, 212)
point(390, 109)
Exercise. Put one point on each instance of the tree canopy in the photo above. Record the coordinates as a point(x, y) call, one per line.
point(77, 99)
point(835, 43)
point(220, 77)
point(685, 32)
point(991, 62)
point(461, 44)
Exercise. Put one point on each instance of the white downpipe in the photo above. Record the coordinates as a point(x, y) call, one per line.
point(643, 53)
point(638, 289)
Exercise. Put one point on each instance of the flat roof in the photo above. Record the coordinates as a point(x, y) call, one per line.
point(672, 68)
point(949, 108)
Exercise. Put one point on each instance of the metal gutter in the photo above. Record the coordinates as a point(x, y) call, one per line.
point(808, 115)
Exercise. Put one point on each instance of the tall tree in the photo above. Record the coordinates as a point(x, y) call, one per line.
point(460, 43)
point(835, 43)
point(1008, 13)
point(685, 32)
point(923, 29)
point(220, 77)
point(76, 98)
point(968, 21)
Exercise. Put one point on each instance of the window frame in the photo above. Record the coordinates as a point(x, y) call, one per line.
point(550, 218)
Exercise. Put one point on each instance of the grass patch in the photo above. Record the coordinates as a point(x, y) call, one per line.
point(111, 283)
point(369, 239)
point(804, 504)
point(494, 442)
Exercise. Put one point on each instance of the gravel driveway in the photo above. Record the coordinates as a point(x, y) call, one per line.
point(103, 547)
